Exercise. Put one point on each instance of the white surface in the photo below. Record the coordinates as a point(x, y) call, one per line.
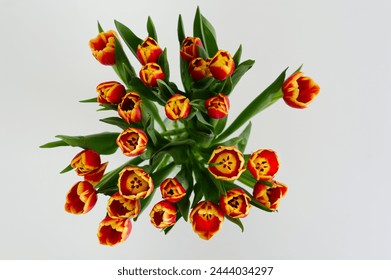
point(334, 155)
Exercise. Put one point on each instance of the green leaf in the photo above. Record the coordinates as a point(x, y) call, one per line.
point(90, 100)
point(116, 121)
point(219, 125)
point(181, 30)
point(151, 109)
point(66, 169)
point(54, 144)
point(122, 66)
point(107, 107)
point(187, 81)
point(130, 39)
point(151, 29)
point(245, 135)
point(240, 70)
point(100, 29)
point(210, 37)
point(236, 221)
point(163, 62)
point(237, 55)
point(145, 92)
point(198, 30)
point(184, 207)
point(104, 143)
point(270, 95)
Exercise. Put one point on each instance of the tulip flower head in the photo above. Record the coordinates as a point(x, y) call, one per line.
point(110, 92)
point(222, 65)
point(148, 51)
point(81, 198)
point(172, 190)
point(119, 206)
point(199, 69)
point(132, 141)
point(206, 219)
point(103, 47)
point(270, 196)
point(129, 109)
point(263, 164)
point(86, 161)
point(163, 214)
point(189, 48)
point(299, 90)
point(217, 106)
point(150, 73)
point(235, 203)
point(112, 231)
point(226, 163)
point(177, 107)
point(95, 176)
point(134, 183)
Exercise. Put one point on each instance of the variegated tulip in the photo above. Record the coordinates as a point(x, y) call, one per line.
point(217, 106)
point(206, 219)
point(86, 161)
point(148, 51)
point(163, 214)
point(81, 198)
point(299, 90)
point(103, 47)
point(226, 163)
point(110, 92)
point(172, 190)
point(129, 109)
point(95, 176)
point(119, 206)
point(222, 65)
point(199, 69)
point(235, 203)
point(112, 231)
point(270, 196)
point(189, 49)
point(150, 73)
point(177, 107)
point(263, 164)
point(134, 183)
point(132, 141)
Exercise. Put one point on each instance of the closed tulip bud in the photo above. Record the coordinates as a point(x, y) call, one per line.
point(134, 183)
point(226, 163)
point(235, 203)
point(163, 214)
point(270, 196)
point(81, 198)
point(103, 47)
point(110, 92)
point(299, 90)
point(217, 106)
point(206, 219)
point(150, 73)
point(172, 190)
point(189, 48)
point(129, 109)
point(112, 231)
point(222, 65)
point(119, 206)
point(199, 69)
point(263, 164)
point(132, 141)
point(177, 107)
point(148, 51)
point(86, 161)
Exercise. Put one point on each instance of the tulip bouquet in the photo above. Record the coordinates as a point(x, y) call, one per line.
point(189, 156)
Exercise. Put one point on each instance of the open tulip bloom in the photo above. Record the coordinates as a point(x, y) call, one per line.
point(176, 140)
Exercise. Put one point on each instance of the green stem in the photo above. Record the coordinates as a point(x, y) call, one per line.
point(173, 132)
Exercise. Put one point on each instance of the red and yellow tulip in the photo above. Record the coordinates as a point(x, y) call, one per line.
point(134, 183)
point(177, 107)
point(103, 47)
point(217, 106)
point(119, 206)
point(95, 176)
point(112, 231)
point(270, 196)
point(172, 190)
point(299, 90)
point(110, 92)
point(81, 198)
point(206, 219)
point(189, 49)
point(163, 214)
point(150, 73)
point(222, 65)
point(263, 164)
point(199, 69)
point(226, 163)
point(129, 109)
point(132, 141)
point(235, 203)
point(86, 161)
point(148, 51)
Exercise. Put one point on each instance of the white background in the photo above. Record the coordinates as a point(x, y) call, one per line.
point(334, 155)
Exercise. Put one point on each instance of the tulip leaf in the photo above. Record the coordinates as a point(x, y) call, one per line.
point(184, 207)
point(54, 144)
point(122, 66)
point(181, 30)
point(236, 221)
point(240, 70)
point(151, 108)
point(219, 125)
point(237, 56)
point(145, 92)
point(116, 121)
point(228, 86)
point(66, 169)
point(257, 204)
point(151, 29)
point(100, 29)
point(245, 135)
point(107, 107)
point(185, 75)
point(163, 62)
point(130, 39)
point(90, 100)
point(198, 30)
point(210, 37)
point(270, 95)
point(104, 143)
